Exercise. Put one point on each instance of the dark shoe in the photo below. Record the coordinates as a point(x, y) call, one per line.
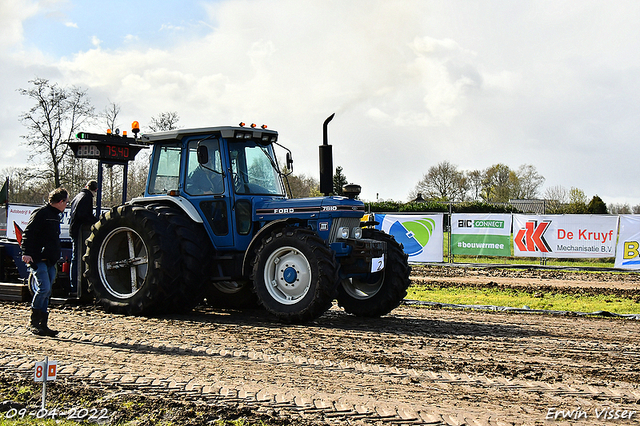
point(43, 326)
point(35, 325)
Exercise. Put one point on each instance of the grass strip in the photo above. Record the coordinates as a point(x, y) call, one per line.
point(517, 299)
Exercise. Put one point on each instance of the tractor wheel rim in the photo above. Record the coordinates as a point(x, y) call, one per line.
point(123, 262)
point(363, 290)
point(287, 275)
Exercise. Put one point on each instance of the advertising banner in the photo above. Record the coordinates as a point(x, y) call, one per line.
point(421, 235)
point(481, 234)
point(628, 249)
point(564, 236)
point(18, 216)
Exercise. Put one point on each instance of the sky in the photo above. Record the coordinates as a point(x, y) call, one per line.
point(554, 84)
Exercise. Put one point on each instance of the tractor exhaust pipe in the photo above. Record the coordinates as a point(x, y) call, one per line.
point(326, 161)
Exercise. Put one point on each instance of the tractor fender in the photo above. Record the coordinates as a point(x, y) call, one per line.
point(257, 239)
point(180, 202)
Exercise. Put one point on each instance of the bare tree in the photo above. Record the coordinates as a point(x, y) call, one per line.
point(528, 183)
point(443, 182)
point(619, 208)
point(164, 121)
point(557, 193)
point(474, 182)
point(110, 115)
point(137, 176)
point(26, 185)
point(58, 113)
point(113, 181)
point(556, 197)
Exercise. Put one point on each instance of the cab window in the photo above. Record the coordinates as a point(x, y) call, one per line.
point(204, 179)
point(253, 170)
point(165, 170)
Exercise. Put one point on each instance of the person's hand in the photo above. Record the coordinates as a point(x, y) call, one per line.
point(27, 259)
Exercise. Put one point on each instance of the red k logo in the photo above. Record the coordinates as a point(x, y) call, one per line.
point(531, 238)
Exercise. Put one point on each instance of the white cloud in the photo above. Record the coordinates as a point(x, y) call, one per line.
point(12, 15)
point(171, 27)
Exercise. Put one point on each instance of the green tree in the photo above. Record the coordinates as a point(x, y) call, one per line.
point(497, 184)
point(597, 206)
point(339, 180)
point(577, 202)
point(577, 196)
point(302, 186)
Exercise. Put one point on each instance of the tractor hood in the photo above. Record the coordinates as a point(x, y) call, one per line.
point(309, 208)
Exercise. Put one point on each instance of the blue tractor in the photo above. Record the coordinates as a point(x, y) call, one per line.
point(215, 224)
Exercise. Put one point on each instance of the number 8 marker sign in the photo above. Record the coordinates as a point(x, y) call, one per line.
point(51, 369)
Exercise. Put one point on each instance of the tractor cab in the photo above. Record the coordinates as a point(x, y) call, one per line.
point(221, 173)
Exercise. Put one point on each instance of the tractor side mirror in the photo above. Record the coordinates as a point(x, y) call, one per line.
point(289, 162)
point(203, 154)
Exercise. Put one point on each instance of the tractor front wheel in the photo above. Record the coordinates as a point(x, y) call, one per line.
point(295, 275)
point(380, 292)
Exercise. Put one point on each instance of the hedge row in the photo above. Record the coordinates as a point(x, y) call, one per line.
point(434, 206)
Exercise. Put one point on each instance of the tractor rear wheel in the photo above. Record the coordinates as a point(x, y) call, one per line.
point(132, 261)
point(195, 249)
point(380, 292)
point(295, 275)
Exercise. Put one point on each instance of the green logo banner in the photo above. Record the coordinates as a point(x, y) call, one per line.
point(476, 245)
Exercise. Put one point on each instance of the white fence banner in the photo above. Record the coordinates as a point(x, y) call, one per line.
point(421, 235)
point(564, 236)
point(18, 216)
point(475, 234)
point(628, 250)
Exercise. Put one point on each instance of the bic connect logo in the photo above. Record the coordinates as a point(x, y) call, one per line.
point(413, 234)
point(531, 238)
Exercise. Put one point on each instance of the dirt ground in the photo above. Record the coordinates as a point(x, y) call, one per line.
point(415, 366)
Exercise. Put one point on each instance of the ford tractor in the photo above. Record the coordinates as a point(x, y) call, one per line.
point(215, 224)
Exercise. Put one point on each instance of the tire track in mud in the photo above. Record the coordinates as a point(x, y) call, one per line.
point(253, 362)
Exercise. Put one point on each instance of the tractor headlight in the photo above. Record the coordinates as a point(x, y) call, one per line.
point(343, 232)
point(357, 233)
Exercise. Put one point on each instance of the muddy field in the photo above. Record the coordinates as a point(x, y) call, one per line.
point(416, 366)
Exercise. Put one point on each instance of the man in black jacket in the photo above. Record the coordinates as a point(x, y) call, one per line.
point(82, 217)
point(41, 251)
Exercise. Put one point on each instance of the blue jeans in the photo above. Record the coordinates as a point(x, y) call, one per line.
point(44, 276)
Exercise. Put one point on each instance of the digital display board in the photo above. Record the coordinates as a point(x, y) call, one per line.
point(105, 147)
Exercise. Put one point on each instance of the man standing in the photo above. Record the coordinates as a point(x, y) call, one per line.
point(82, 217)
point(41, 251)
